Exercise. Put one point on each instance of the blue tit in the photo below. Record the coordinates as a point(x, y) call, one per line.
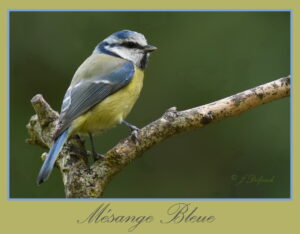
point(102, 92)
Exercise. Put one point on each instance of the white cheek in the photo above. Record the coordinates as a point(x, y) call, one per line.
point(136, 58)
point(132, 55)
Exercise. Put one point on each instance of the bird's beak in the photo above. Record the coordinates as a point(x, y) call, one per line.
point(149, 48)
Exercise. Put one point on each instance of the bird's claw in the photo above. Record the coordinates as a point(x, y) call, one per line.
point(98, 156)
point(134, 130)
point(134, 134)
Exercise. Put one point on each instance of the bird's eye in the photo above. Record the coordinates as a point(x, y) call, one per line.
point(129, 44)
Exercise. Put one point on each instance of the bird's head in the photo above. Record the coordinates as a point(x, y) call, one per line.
point(128, 45)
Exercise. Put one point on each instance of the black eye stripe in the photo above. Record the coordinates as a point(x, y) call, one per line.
point(127, 44)
point(130, 44)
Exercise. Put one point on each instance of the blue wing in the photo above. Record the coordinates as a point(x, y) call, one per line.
point(89, 91)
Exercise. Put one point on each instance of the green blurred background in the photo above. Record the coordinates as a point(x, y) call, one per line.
point(201, 57)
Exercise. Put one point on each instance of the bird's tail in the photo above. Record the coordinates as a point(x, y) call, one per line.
point(52, 155)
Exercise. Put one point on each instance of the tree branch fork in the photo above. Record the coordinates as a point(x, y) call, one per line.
point(83, 181)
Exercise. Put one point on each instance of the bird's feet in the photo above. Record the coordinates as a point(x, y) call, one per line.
point(134, 130)
point(134, 134)
point(97, 156)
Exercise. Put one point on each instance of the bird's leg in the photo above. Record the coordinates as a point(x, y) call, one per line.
point(96, 155)
point(134, 129)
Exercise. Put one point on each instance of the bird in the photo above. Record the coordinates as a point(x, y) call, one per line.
point(102, 92)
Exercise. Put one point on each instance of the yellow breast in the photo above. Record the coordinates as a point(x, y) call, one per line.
point(112, 110)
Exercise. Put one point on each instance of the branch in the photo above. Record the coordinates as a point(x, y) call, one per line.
point(82, 181)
